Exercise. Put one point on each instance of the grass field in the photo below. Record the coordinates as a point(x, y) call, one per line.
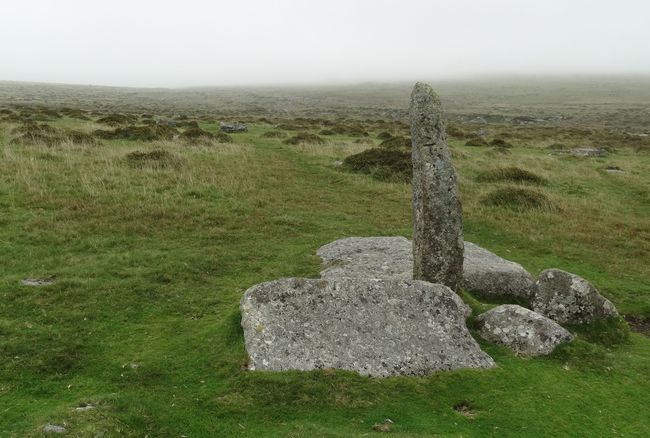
point(152, 257)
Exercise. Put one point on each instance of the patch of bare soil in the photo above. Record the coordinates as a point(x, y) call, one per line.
point(639, 324)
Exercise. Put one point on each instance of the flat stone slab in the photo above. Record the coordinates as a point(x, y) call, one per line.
point(371, 326)
point(484, 272)
point(569, 299)
point(368, 257)
point(523, 331)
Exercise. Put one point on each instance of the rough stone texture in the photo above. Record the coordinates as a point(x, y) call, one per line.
point(233, 127)
point(588, 152)
point(368, 257)
point(525, 332)
point(53, 429)
point(567, 298)
point(484, 272)
point(487, 274)
point(437, 212)
point(374, 327)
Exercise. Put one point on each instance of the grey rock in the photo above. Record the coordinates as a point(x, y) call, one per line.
point(484, 272)
point(570, 299)
point(368, 257)
point(437, 212)
point(523, 331)
point(588, 152)
point(233, 127)
point(487, 274)
point(373, 327)
point(53, 428)
point(42, 281)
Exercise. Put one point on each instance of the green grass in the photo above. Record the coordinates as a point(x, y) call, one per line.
point(151, 262)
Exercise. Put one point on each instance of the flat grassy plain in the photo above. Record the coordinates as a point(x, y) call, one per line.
point(151, 258)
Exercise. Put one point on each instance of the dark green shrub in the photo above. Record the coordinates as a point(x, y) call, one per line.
point(274, 134)
point(156, 159)
point(513, 174)
point(138, 133)
point(398, 142)
point(518, 199)
point(476, 141)
point(382, 164)
point(304, 137)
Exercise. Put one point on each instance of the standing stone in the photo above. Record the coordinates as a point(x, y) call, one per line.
point(437, 212)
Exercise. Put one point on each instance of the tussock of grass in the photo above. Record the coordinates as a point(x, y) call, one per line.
point(476, 141)
point(274, 134)
point(384, 135)
point(398, 142)
point(138, 133)
point(117, 119)
point(33, 133)
point(304, 137)
point(510, 174)
point(196, 133)
point(382, 164)
point(519, 199)
point(156, 159)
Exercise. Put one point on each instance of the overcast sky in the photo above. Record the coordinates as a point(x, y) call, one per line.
point(238, 42)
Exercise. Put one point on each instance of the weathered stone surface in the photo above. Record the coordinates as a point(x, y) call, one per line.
point(567, 298)
point(588, 152)
point(437, 212)
point(53, 429)
point(368, 257)
point(525, 332)
point(484, 273)
point(487, 274)
point(233, 127)
point(374, 327)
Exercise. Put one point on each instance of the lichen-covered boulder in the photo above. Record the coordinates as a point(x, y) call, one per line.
point(570, 299)
point(484, 272)
point(487, 274)
point(374, 327)
point(368, 257)
point(523, 331)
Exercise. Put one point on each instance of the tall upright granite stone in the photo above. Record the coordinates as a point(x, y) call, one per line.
point(437, 212)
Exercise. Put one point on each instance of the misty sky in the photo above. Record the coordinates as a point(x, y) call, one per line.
point(238, 42)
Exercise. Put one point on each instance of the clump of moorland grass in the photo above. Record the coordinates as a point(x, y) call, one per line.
point(75, 113)
point(326, 132)
point(304, 137)
point(117, 119)
point(518, 199)
point(384, 135)
point(499, 142)
point(187, 124)
point(494, 152)
point(398, 142)
point(156, 159)
point(476, 141)
point(558, 147)
point(138, 133)
point(456, 132)
point(510, 174)
point(382, 164)
point(198, 134)
point(274, 134)
point(42, 133)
